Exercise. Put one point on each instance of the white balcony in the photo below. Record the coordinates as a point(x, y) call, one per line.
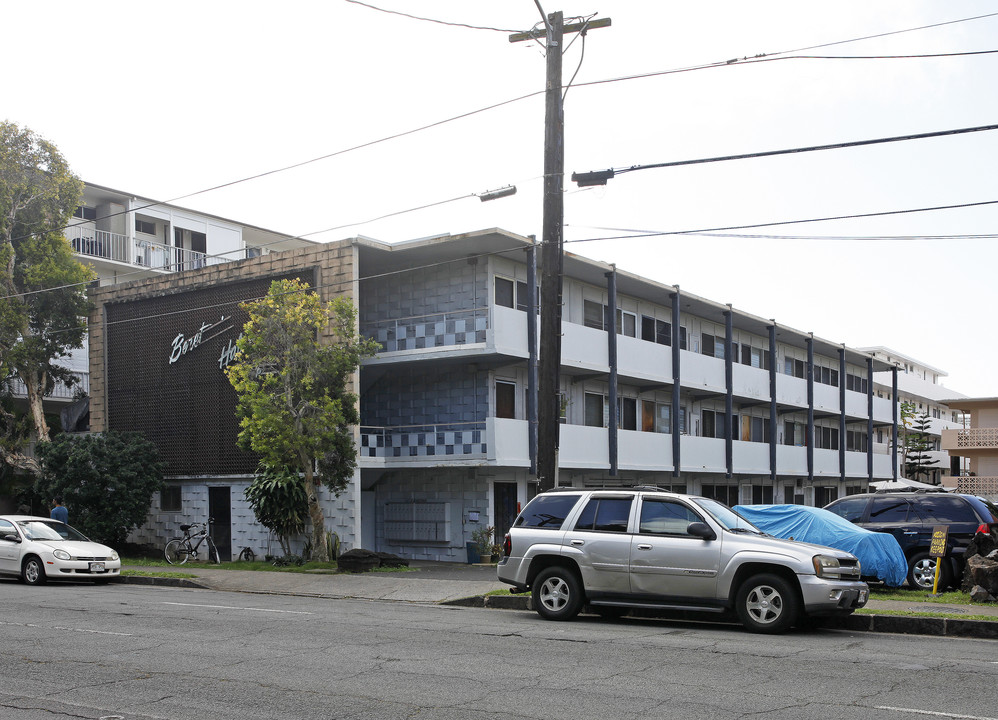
point(702, 371)
point(791, 459)
point(99, 243)
point(644, 451)
point(750, 458)
point(584, 447)
point(791, 390)
point(103, 245)
point(651, 362)
point(584, 348)
point(700, 454)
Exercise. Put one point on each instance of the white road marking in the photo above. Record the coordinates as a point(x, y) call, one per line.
point(934, 713)
point(57, 627)
point(233, 607)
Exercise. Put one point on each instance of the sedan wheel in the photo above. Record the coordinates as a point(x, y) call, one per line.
point(33, 572)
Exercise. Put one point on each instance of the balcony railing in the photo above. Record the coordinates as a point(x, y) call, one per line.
point(461, 327)
point(60, 391)
point(987, 486)
point(98, 243)
point(970, 438)
point(422, 441)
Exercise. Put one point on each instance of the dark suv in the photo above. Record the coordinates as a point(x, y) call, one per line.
point(911, 516)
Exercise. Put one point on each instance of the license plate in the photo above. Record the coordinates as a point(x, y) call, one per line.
point(97, 567)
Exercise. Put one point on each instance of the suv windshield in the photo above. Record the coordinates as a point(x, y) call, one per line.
point(725, 516)
point(49, 530)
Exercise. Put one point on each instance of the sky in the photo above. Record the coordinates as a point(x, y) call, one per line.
point(396, 123)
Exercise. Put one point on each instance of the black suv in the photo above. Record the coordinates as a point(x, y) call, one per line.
point(911, 516)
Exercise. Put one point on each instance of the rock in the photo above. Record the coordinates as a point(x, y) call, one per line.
point(392, 561)
point(979, 594)
point(358, 560)
point(983, 545)
point(981, 571)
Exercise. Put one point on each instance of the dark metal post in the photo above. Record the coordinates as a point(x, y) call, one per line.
point(611, 342)
point(532, 356)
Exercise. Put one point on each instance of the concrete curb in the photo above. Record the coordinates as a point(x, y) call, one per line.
point(897, 624)
point(160, 581)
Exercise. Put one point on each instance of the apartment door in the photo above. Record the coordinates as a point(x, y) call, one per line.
point(506, 508)
point(220, 508)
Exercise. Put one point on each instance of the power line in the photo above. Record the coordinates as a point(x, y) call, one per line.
point(432, 20)
point(819, 238)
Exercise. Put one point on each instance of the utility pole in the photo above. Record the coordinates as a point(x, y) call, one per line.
point(552, 244)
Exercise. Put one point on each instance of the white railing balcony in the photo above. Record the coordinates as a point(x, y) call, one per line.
point(98, 243)
point(60, 392)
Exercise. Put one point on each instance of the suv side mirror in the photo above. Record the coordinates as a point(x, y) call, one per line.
point(701, 530)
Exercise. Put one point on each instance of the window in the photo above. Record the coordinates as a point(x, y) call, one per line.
point(594, 410)
point(825, 495)
point(762, 494)
point(727, 494)
point(794, 367)
point(657, 331)
point(505, 399)
point(144, 226)
point(856, 441)
point(170, 499)
point(666, 517)
point(593, 314)
point(503, 292)
point(942, 509)
point(889, 510)
point(826, 438)
point(712, 345)
point(714, 423)
point(626, 323)
point(627, 413)
point(85, 213)
point(754, 357)
point(547, 511)
point(605, 514)
point(856, 383)
point(655, 417)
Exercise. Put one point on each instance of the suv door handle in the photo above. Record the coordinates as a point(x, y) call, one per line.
point(578, 542)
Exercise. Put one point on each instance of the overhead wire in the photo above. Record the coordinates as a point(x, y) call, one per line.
point(431, 20)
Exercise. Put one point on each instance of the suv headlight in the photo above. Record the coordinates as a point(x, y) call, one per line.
point(62, 554)
point(826, 566)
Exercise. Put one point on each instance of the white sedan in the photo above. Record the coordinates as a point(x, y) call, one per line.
point(37, 549)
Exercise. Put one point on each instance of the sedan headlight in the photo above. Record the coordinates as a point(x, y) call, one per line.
point(114, 555)
point(62, 554)
point(826, 566)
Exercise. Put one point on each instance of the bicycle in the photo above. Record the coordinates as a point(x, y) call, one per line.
point(180, 550)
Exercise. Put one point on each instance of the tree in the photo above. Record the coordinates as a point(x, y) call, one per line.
point(918, 445)
point(43, 302)
point(106, 481)
point(295, 409)
point(279, 502)
point(904, 427)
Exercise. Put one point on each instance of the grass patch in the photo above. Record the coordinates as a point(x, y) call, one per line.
point(928, 612)
point(154, 573)
point(953, 598)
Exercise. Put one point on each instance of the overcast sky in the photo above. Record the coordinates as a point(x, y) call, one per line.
point(166, 99)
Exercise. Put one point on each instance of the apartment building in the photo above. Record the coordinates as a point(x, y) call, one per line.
point(657, 386)
point(976, 446)
point(921, 386)
point(125, 237)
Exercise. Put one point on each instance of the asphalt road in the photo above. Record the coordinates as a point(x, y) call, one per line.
point(77, 651)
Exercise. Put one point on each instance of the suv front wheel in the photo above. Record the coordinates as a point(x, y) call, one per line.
point(557, 594)
point(767, 604)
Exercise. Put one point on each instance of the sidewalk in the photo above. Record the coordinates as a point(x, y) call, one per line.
point(468, 585)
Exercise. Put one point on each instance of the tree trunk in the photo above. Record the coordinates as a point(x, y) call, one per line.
point(36, 409)
point(319, 553)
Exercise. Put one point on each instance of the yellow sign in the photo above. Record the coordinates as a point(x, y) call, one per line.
point(938, 547)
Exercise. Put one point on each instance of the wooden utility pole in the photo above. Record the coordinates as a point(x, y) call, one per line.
point(552, 246)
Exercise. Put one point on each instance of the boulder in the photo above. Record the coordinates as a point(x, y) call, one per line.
point(982, 545)
point(979, 594)
point(392, 561)
point(983, 572)
point(358, 560)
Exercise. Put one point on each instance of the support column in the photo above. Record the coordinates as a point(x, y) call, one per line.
point(611, 342)
point(869, 419)
point(810, 408)
point(532, 356)
point(674, 419)
point(729, 409)
point(842, 416)
point(773, 417)
point(894, 415)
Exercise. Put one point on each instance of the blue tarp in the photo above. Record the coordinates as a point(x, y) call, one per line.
point(879, 553)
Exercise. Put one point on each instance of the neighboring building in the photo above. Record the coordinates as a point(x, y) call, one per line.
point(977, 445)
point(125, 237)
point(920, 385)
point(652, 379)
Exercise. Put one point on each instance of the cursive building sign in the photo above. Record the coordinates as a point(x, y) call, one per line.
point(182, 345)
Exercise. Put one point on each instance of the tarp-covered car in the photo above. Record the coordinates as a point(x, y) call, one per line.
point(879, 553)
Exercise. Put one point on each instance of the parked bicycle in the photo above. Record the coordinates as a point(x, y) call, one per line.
point(180, 550)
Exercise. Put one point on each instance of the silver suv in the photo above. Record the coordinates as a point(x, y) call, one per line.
point(644, 548)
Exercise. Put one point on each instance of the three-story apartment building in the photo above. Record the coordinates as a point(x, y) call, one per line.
point(657, 386)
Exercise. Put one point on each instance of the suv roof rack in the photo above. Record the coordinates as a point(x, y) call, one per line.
point(647, 488)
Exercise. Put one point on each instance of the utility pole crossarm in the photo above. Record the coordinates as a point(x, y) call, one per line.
point(539, 33)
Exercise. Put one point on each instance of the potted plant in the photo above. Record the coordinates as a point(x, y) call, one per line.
point(485, 539)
